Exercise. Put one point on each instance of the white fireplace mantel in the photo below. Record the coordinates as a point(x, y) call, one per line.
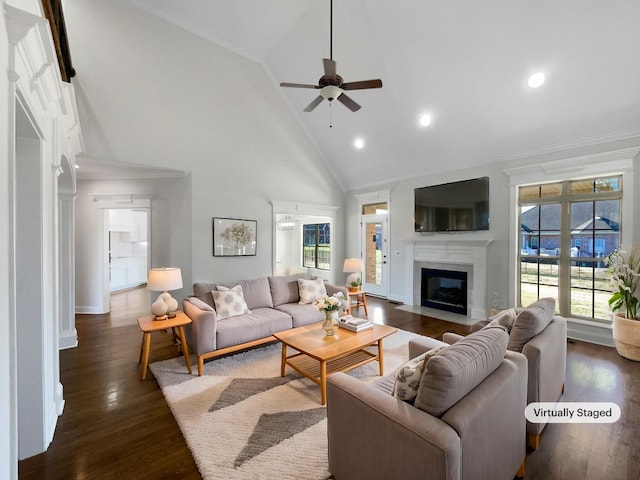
point(458, 251)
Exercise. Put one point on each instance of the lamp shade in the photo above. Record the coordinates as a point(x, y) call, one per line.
point(164, 279)
point(353, 265)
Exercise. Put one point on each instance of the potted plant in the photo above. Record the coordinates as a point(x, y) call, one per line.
point(624, 273)
point(355, 284)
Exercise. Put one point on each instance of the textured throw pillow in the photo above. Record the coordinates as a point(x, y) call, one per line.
point(311, 290)
point(530, 322)
point(229, 301)
point(408, 376)
point(459, 368)
point(505, 318)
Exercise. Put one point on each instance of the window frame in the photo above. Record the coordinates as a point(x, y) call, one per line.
point(565, 199)
point(317, 246)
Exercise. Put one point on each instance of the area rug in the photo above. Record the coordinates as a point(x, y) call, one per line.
point(242, 420)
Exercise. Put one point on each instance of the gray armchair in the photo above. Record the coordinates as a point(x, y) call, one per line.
point(546, 354)
point(374, 435)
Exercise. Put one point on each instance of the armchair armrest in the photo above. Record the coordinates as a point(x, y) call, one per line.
point(332, 289)
point(547, 356)
point(385, 430)
point(201, 332)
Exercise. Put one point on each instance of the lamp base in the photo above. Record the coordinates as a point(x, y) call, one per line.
point(161, 317)
point(171, 315)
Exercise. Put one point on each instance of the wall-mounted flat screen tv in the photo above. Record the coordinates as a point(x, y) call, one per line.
point(453, 207)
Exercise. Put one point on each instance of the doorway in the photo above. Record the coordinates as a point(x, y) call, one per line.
point(375, 253)
point(128, 248)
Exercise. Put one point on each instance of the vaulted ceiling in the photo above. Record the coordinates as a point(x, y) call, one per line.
point(465, 63)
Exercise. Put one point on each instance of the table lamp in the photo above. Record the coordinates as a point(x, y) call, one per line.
point(354, 266)
point(163, 280)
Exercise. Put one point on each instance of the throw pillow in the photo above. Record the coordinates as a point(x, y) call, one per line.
point(229, 301)
point(530, 322)
point(408, 376)
point(505, 318)
point(459, 368)
point(311, 290)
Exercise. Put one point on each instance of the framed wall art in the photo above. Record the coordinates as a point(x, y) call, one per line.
point(234, 237)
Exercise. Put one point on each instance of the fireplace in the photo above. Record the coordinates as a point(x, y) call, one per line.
point(444, 290)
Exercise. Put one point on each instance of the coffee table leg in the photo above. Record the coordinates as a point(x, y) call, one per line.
point(323, 382)
point(380, 357)
point(283, 364)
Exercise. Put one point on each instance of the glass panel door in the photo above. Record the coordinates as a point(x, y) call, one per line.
point(375, 253)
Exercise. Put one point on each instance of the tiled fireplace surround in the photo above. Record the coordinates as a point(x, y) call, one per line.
point(460, 255)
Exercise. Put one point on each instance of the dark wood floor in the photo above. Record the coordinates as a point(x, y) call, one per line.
point(116, 426)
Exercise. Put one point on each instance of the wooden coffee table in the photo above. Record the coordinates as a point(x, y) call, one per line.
point(318, 355)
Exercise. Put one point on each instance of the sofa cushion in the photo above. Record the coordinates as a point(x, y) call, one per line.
point(530, 322)
point(459, 368)
point(257, 293)
point(505, 318)
point(302, 314)
point(229, 302)
point(202, 290)
point(260, 323)
point(408, 376)
point(311, 290)
point(284, 289)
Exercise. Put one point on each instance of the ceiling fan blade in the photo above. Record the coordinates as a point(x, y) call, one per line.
point(298, 85)
point(348, 102)
point(329, 68)
point(377, 83)
point(314, 104)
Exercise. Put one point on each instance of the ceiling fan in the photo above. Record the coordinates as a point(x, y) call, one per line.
point(331, 85)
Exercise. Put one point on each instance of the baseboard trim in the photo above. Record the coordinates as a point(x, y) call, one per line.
point(88, 310)
point(591, 332)
point(68, 339)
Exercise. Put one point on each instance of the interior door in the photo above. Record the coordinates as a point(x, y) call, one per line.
point(375, 253)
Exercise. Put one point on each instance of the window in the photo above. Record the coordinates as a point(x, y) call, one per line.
point(567, 229)
point(316, 246)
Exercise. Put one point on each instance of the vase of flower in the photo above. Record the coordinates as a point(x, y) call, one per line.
point(331, 306)
point(330, 324)
point(624, 273)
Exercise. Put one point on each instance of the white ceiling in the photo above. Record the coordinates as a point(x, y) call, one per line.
point(466, 62)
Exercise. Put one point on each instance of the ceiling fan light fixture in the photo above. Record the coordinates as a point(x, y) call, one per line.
point(424, 120)
point(330, 92)
point(536, 80)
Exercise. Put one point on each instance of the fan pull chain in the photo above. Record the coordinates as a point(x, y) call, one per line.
point(330, 115)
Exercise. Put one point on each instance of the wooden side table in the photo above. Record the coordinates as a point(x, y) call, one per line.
point(359, 300)
point(148, 325)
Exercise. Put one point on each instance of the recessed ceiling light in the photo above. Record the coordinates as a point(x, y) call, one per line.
point(424, 120)
point(358, 143)
point(536, 80)
point(77, 166)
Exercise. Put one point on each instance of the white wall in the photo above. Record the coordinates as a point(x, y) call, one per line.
point(8, 436)
point(164, 97)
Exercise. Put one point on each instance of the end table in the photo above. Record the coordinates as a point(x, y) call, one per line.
point(360, 298)
point(148, 324)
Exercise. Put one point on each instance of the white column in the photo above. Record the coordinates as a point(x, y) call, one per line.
point(66, 212)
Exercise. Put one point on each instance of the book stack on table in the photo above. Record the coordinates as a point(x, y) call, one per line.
point(354, 324)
